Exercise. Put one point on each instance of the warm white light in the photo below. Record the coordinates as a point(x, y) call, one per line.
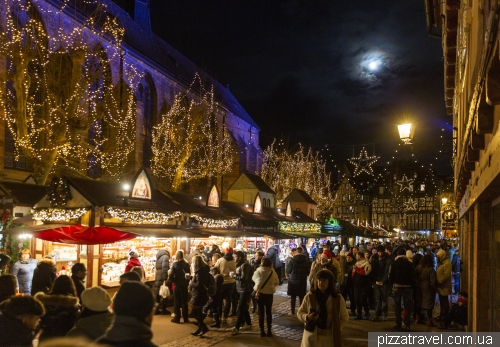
point(406, 132)
point(126, 186)
point(444, 200)
point(373, 65)
point(200, 197)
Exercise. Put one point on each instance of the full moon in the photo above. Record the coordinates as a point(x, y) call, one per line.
point(373, 65)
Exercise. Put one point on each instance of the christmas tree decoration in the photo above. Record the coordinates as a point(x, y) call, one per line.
point(58, 193)
point(142, 217)
point(191, 141)
point(215, 223)
point(405, 183)
point(61, 107)
point(284, 169)
point(363, 163)
point(57, 214)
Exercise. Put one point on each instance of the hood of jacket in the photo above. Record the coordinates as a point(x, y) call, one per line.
point(96, 325)
point(47, 261)
point(362, 263)
point(299, 258)
point(57, 300)
point(441, 255)
point(161, 253)
point(135, 262)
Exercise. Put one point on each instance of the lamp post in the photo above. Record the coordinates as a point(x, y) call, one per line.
point(406, 132)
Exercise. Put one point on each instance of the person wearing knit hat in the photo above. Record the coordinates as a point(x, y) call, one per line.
point(326, 261)
point(95, 318)
point(133, 307)
point(44, 275)
point(134, 261)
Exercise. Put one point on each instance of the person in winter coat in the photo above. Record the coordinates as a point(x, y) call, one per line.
point(455, 272)
point(306, 253)
point(19, 320)
point(134, 309)
point(402, 281)
point(4, 261)
point(199, 294)
point(133, 261)
point(244, 286)
point(425, 290)
point(226, 265)
point(326, 262)
point(298, 271)
point(444, 283)
point(23, 269)
point(215, 250)
point(162, 267)
point(198, 251)
point(44, 275)
point(451, 251)
point(326, 307)
point(349, 283)
point(61, 306)
point(361, 281)
point(95, 318)
point(255, 264)
point(266, 280)
point(177, 276)
point(381, 286)
point(293, 251)
point(215, 302)
point(273, 253)
point(315, 251)
point(78, 273)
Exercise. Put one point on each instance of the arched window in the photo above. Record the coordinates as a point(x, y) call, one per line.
point(147, 108)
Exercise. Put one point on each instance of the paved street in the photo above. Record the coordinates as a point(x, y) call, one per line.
point(287, 330)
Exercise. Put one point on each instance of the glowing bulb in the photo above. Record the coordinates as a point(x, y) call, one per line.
point(126, 186)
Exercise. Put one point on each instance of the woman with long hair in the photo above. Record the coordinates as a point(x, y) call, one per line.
point(199, 294)
point(425, 293)
point(7, 287)
point(266, 280)
point(177, 276)
point(61, 308)
point(323, 313)
point(215, 257)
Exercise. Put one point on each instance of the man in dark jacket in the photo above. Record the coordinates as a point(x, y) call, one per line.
point(402, 282)
point(161, 276)
point(273, 253)
point(244, 286)
point(306, 253)
point(348, 289)
point(255, 263)
point(361, 271)
point(298, 272)
point(381, 287)
point(19, 320)
point(44, 275)
point(177, 276)
point(78, 273)
point(133, 308)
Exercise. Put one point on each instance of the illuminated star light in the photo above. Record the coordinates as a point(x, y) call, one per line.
point(363, 163)
point(405, 183)
point(411, 205)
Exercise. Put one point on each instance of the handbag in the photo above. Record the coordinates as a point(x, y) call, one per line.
point(255, 294)
point(164, 291)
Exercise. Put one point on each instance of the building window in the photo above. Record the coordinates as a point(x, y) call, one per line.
point(311, 213)
point(338, 210)
point(381, 190)
point(422, 187)
point(362, 197)
point(349, 197)
point(343, 197)
point(347, 186)
point(298, 209)
point(351, 208)
point(415, 175)
point(411, 187)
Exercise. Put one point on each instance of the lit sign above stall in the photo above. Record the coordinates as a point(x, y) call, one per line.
point(288, 209)
point(332, 225)
point(213, 198)
point(257, 206)
point(142, 186)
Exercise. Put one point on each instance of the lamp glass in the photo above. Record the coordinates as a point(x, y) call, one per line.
point(406, 132)
point(444, 200)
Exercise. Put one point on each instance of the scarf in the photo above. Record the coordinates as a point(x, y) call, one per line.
point(126, 328)
point(323, 309)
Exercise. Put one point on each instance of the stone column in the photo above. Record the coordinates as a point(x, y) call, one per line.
point(481, 268)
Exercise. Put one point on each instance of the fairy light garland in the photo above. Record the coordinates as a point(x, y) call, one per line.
point(53, 130)
point(191, 141)
point(215, 223)
point(57, 214)
point(142, 217)
point(284, 169)
point(300, 227)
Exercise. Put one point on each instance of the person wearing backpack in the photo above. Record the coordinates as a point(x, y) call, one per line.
point(244, 286)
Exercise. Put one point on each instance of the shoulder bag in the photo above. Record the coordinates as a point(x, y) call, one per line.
point(255, 294)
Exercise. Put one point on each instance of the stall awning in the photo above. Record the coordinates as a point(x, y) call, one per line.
point(232, 233)
point(31, 229)
point(82, 235)
point(165, 232)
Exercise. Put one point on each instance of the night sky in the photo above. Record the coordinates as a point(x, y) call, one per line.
point(335, 73)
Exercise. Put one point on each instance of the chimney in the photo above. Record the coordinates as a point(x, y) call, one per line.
point(142, 15)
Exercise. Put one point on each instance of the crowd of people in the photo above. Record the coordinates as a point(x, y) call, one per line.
point(224, 283)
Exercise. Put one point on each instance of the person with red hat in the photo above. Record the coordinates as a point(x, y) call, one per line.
point(326, 262)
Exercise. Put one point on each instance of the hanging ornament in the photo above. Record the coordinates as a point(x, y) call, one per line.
point(363, 163)
point(58, 192)
point(405, 183)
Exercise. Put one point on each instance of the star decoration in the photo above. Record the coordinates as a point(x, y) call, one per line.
point(411, 205)
point(405, 183)
point(363, 163)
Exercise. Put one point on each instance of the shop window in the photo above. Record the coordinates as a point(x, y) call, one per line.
point(422, 187)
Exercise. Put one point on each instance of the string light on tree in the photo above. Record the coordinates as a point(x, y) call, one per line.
point(363, 163)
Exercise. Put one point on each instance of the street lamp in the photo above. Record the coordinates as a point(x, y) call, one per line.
point(444, 200)
point(406, 132)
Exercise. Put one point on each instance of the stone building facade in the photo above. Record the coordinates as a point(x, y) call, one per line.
point(166, 73)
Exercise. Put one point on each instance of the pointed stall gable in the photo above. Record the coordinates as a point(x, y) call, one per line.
point(142, 186)
point(288, 209)
point(213, 199)
point(257, 206)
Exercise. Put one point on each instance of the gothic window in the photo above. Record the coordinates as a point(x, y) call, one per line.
point(147, 99)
